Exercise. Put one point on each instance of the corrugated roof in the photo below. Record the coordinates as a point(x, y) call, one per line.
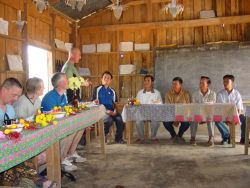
point(90, 7)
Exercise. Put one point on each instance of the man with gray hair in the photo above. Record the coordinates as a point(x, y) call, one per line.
point(56, 97)
point(70, 70)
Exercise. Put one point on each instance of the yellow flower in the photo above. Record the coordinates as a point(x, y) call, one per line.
point(137, 102)
point(39, 112)
point(22, 121)
point(14, 126)
point(26, 125)
point(7, 131)
point(44, 124)
point(54, 122)
point(75, 82)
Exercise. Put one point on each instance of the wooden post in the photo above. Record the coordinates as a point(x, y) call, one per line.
point(53, 163)
point(88, 135)
point(146, 129)
point(232, 133)
point(35, 163)
point(129, 128)
point(52, 41)
point(247, 135)
point(102, 136)
point(125, 132)
point(96, 129)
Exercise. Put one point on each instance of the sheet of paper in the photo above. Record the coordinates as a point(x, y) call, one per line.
point(3, 26)
point(15, 62)
point(60, 44)
point(84, 72)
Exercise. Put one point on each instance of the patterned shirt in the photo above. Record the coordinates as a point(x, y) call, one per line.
point(209, 97)
point(182, 97)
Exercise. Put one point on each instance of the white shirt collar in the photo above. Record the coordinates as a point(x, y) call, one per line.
point(206, 93)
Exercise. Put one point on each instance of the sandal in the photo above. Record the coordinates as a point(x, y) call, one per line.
point(9, 178)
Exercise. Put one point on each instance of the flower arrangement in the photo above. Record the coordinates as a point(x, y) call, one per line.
point(134, 101)
point(56, 110)
point(75, 82)
point(44, 119)
point(70, 110)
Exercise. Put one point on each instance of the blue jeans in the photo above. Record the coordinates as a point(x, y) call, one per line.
point(224, 131)
point(108, 122)
point(170, 128)
point(222, 127)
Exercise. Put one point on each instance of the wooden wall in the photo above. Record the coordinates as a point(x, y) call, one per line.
point(13, 43)
point(145, 22)
point(41, 30)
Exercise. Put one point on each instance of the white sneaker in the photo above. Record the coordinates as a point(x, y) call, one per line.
point(69, 168)
point(66, 162)
point(77, 158)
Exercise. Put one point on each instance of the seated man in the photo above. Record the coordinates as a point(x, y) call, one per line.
point(105, 95)
point(10, 91)
point(204, 95)
point(231, 95)
point(148, 95)
point(177, 95)
point(56, 97)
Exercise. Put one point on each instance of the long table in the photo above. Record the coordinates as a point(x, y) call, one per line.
point(181, 113)
point(34, 142)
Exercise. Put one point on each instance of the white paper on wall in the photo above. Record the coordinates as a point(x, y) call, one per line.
point(89, 48)
point(15, 62)
point(60, 44)
point(84, 72)
point(3, 26)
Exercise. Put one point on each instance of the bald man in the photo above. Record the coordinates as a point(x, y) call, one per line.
point(70, 70)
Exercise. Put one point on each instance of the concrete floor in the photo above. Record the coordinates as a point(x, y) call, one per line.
point(164, 165)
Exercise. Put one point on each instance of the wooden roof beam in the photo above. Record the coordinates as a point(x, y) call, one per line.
point(170, 24)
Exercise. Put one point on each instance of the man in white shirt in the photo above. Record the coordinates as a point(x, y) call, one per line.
point(204, 95)
point(148, 95)
point(231, 95)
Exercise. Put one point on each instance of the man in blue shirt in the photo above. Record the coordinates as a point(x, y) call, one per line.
point(56, 97)
point(106, 96)
point(10, 91)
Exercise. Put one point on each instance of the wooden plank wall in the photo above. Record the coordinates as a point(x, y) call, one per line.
point(13, 43)
point(150, 12)
point(40, 31)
